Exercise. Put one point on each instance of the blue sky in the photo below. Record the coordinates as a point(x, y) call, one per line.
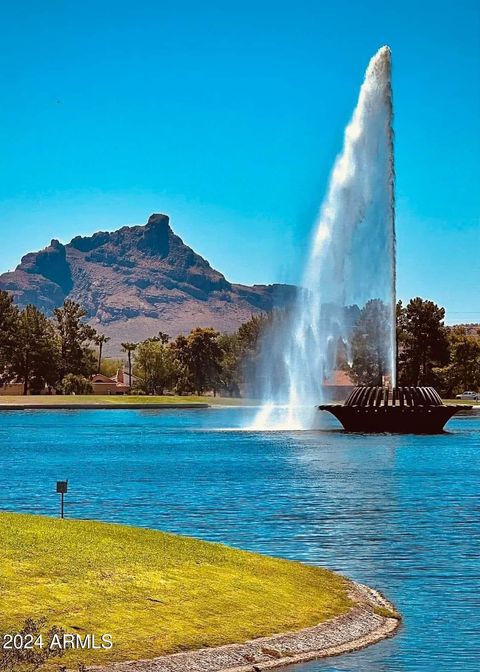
point(228, 116)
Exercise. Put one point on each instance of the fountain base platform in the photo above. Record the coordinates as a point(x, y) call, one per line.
point(401, 410)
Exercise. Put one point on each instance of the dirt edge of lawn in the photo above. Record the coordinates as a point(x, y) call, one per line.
point(372, 619)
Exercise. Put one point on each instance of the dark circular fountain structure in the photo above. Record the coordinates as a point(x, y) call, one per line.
point(405, 410)
point(346, 309)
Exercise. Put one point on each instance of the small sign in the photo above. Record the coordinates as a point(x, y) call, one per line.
point(62, 487)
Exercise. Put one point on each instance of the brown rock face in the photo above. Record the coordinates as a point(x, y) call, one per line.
point(136, 281)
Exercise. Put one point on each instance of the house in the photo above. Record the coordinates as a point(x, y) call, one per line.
point(104, 385)
point(14, 388)
point(338, 386)
point(124, 378)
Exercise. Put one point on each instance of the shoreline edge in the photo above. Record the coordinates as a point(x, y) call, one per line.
point(362, 626)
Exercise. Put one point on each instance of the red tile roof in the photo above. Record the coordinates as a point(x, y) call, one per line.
point(340, 379)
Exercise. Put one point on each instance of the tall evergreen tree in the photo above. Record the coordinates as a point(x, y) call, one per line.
point(76, 355)
point(8, 334)
point(422, 342)
point(36, 354)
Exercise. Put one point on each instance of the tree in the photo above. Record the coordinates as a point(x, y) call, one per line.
point(252, 340)
point(401, 330)
point(184, 382)
point(129, 348)
point(370, 344)
point(463, 371)
point(110, 366)
point(422, 342)
point(8, 334)
point(34, 658)
point(156, 366)
point(231, 363)
point(200, 356)
point(465, 358)
point(75, 337)
point(100, 340)
point(74, 384)
point(250, 332)
point(36, 355)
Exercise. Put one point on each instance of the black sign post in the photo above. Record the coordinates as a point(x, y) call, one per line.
point(62, 487)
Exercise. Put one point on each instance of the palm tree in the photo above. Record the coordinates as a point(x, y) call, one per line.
point(100, 340)
point(129, 348)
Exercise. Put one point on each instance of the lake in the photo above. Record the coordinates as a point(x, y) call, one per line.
point(400, 513)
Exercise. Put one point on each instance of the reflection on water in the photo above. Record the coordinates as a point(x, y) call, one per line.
point(398, 512)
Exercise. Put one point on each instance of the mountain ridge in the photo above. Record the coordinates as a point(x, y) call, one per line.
point(138, 280)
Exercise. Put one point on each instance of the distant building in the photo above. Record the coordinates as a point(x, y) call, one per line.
point(13, 388)
point(123, 378)
point(120, 383)
point(104, 385)
point(338, 386)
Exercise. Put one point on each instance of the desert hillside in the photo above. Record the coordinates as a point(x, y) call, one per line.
point(136, 281)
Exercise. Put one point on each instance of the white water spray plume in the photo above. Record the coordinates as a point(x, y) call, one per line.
point(349, 277)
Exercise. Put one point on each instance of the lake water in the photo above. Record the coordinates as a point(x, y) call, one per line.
point(400, 513)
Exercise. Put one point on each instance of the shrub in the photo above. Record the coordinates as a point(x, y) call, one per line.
point(75, 384)
point(31, 659)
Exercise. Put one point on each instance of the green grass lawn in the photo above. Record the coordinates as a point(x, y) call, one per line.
point(143, 399)
point(117, 399)
point(155, 593)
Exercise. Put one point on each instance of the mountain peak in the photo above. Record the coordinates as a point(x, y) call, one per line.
point(136, 281)
point(156, 235)
point(159, 220)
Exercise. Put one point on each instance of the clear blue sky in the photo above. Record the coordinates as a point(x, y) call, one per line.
point(228, 116)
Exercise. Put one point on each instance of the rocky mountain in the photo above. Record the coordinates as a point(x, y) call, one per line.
point(136, 281)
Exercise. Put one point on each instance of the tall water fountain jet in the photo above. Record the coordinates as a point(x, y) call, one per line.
point(351, 268)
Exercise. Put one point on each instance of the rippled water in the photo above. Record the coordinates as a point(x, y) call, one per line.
point(400, 513)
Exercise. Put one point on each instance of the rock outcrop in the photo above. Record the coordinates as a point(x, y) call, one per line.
point(136, 281)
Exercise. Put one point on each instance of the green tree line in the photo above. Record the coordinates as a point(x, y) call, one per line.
point(427, 352)
point(203, 361)
point(63, 352)
point(43, 352)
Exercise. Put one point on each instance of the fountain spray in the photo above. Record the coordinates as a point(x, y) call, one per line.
point(351, 262)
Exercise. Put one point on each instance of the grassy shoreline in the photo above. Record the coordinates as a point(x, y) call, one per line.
point(462, 402)
point(155, 593)
point(105, 399)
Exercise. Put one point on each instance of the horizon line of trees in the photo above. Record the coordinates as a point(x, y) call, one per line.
point(428, 353)
point(63, 352)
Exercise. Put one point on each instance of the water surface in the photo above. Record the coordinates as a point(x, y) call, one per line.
point(400, 513)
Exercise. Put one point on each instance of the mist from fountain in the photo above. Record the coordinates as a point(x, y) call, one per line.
point(351, 262)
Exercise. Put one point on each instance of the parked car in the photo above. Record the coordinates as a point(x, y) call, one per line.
point(470, 396)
